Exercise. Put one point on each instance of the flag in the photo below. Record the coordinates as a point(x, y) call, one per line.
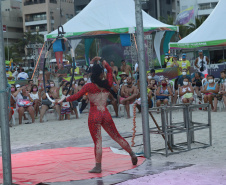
point(185, 16)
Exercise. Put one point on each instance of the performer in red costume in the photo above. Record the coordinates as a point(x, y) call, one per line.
point(98, 92)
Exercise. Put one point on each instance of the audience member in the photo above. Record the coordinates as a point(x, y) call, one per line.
point(114, 68)
point(47, 74)
point(154, 76)
point(201, 63)
point(186, 92)
point(36, 99)
point(128, 95)
point(46, 104)
point(211, 89)
point(197, 84)
point(184, 64)
point(30, 73)
point(61, 73)
point(24, 103)
point(65, 107)
point(22, 75)
point(126, 68)
point(162, 94)
point(168, 60)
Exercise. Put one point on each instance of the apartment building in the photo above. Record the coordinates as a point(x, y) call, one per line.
point(155, 8)
point(44, 16)
point(202, 7)
point(12, 21)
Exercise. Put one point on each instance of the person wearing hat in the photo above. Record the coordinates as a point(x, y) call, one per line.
point(175, 62)
point(123, 77)
point(126, 68)
point(9, 74)
point(168, 60)
point(201, 63)
point(184, 64)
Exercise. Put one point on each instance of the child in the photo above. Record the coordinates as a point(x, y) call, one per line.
point(65, 109)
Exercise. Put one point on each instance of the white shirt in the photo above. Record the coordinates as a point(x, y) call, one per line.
point(65, 104)
point(15, 74)
point(22, 75)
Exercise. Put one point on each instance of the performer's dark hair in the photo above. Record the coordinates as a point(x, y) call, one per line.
point(95, 77)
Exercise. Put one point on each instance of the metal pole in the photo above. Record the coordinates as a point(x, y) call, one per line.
point(143, 85)
point(60, 13)
point(4, 115)
point(7, 41)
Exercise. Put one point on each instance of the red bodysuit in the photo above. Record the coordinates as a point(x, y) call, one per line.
point(99, 115)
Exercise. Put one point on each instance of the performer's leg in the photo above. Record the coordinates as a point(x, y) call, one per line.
point(109, 127)
point(95, 131)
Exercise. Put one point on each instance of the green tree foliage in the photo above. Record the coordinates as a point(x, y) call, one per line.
point(18, 49)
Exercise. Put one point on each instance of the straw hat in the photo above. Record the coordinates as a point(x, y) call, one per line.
point(123, 73)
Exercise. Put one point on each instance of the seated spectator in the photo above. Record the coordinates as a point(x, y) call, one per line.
point(11, 112)
point(154, 76)
point(22, 75)
point(36, 98)
point(84, 100)
point(29, 86)
point(186, 92)
point(153, 86)
point(23, 103)
point(46, 104)
point(65, 106)
point(40, 81)
point(211, 89)
point(163, 93)
point(128, 95)
point(180, 82)
point(113, 101)
point(197, 84)
point(223, 92)
point(223, 77)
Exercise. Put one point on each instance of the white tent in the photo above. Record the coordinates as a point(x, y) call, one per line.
point(211, 33)
point(102, 17)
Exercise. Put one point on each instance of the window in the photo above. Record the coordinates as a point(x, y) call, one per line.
point(178, 3)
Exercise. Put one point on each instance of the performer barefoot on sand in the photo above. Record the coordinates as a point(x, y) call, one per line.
point(98, 92)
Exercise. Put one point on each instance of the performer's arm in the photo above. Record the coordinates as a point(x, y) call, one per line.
point(109, 73)
point(79, 94)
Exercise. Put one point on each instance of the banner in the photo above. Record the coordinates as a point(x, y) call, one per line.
point(186, 17)
point(88, 43)
point(157, 44)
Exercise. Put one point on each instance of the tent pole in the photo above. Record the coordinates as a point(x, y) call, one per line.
point(224, 58)
point(143, 85)
point(4, 114)
point(210, 62)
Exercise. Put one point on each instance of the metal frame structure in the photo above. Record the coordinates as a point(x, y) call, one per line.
point(188, 127)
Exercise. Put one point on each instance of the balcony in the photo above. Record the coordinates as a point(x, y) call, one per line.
point(30, 19)
point(26, 3)
point(35, 23)
point(204, 12)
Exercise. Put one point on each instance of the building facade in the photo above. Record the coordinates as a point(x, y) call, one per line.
point(155, 8)
point(202, 7)
point(44, 16)
point(12, 21)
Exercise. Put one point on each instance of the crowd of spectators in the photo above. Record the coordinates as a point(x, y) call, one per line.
point(187, 88)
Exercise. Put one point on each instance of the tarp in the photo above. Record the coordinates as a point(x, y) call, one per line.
point(211, 33)
point(64, 164)
point(103, 17)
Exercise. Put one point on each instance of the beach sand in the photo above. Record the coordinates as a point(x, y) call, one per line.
point(209, 163)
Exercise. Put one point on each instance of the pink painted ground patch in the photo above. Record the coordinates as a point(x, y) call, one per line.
point(64, 164)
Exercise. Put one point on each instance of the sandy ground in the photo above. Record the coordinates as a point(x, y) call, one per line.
point(209, 163)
